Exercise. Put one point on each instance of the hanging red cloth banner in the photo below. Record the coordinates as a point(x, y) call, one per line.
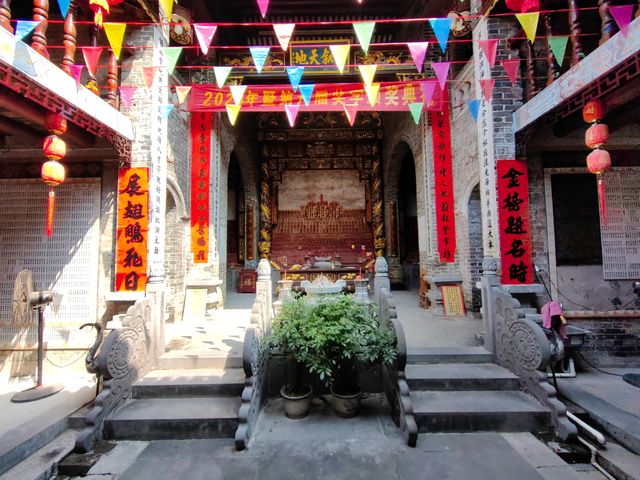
point(200, 173)
point(133, 226)
point(514, 222)
point(393, 96)
point(443, 175)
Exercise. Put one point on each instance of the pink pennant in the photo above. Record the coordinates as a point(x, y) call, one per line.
point(428, 87)
point(292, 113)
point(418, 51)
point(205, 33)
point(263, 5)
point(126, 96)
point(489, 47)
point(149, 73)
point(622, 15)
point(91, 56)
point(511, 67)
point(442, 72)
point(76, 73)
point(487, 88)
point(351, 111)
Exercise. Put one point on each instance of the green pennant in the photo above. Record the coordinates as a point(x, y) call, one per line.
point(558, 45)
point(416, 111)
point(364, 31)
point(171, 54)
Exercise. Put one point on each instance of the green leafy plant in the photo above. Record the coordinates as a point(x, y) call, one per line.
point(332, 335)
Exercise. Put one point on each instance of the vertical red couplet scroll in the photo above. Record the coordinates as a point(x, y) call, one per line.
point(515, 223)
point(133, 229)
point(200, 174)
point(443, 175)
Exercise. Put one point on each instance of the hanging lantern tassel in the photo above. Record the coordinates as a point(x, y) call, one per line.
point(598, 162)
point(602, 199)
point(51, 200)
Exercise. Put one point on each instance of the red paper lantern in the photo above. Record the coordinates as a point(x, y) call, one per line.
point(593, 111)
point(596, 135)
point(54, 147)
point(101, 8)
point(523, 6)
point(598, 161)
point(55, 123)
point(52, 173)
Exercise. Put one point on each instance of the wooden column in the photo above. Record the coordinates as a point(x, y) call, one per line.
point(608, 26)
point(69, 39)
point(112, 81)
point(5, 15)
point(39, 37)
point(532, 90)
point(553, 71)
point(575, 30)
point(379, 241)
point(264, 245)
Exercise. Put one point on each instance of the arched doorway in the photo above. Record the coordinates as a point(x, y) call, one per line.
point(476, 250)
point(236, 211)
point(408, 249)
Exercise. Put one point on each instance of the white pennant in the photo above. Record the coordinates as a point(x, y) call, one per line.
point(284, 31)
point(237, 92)
point(221, 74)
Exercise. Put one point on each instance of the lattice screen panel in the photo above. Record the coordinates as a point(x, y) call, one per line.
point(66, 263)
point(620, 231)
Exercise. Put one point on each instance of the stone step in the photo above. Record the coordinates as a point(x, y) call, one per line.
point(190, 383)
point(174, 418)
point(460, 376)
point(180, 360)
point(478, 411)
point(427, 355)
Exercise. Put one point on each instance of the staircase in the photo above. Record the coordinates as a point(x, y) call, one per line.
point(460, 389)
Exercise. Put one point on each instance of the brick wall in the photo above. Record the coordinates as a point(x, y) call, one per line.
point(614, 342)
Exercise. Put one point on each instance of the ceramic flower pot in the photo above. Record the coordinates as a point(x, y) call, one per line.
point(296, 406)
point(346, 406)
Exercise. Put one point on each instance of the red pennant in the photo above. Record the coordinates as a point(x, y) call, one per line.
point(126, 96)
point(76, 73)
point(487, 88)
point(91, 56)
point(489, 47)
point(351, 112)
point(149, 73)
point(511, 67)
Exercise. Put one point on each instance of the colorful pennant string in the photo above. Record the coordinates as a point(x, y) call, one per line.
point(373, 91)
point(284, 32)
point(340, 54)
point(416, 111)
point(295, 76)
point(91, 56)
point(511, 67)
point(171, 55)
point(418, 51)
point(167, 7)
point(486, 85)
point(149, 75)
point(622, 15)
point(221, 74)
point(305, 92)
point(263, 5)
point(489, 47)
point(474, 108)
point(182, 93)
point(364, 32)
point(441, 28)
point(259, 55)
point(76, 73)
point(292, 113)
point(237, 92)
point(351, 111)
point(232, 112)
point(442, 72)
point(204, 34)
point(24, 28)
point(558, 45)
point(126, 96)
point(529, 22)
point(115, 36)
point(428, 88)
point(165, 110)
point(368, 72)
point(64, 7)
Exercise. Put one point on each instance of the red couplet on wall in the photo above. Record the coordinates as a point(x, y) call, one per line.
point(200, 174)
point(133, 229)
point(443, 174)
point(515, 223)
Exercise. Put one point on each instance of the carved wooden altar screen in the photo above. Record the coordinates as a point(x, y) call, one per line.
point(321, 187)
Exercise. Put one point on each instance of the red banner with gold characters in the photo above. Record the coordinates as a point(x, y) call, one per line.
point(200, 173)
point(514, 222)
point(393, 96)
point(443, 175)
point(133, 227)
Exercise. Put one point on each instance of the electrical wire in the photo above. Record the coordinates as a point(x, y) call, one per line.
point(83, 354)
point(596, 368)
point(560, 293)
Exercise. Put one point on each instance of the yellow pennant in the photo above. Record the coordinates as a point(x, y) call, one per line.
point(373, 91)
point(529, 22)
point(233, 111)
point(115, 35)
point(182, 93)
point(167, 7)
point(368, 72)
point(340, 54)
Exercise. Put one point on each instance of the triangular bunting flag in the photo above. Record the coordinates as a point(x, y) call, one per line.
point(171, 54)
point(263, 5)
point(259, 55)
point(442, 72)
point(149, 75)
point(284, 31)
point(487, 88)
point(76, 73)
point(489, 47)
point(204, 34)
point(416, 111)
point(529, 22)
point(182, 93)
point(622, 15)
point(474, 107)
point(167, 7)
point(237, 92)
point(221, 74)
point(24, 28)
point(64, 7)
point(126, 96)
point(340, 54)
point(292, 113)
point(295, 75)
point(364, 32)
point(511, 67)
point(305, 92)
point(427, 87)
point(91, 56)
point(418, 51)
point(115, 35)
point(351, 111)
point(232, 112)
point(165, 110)
point(373, 91)
point(558, 45)
point(367, 72)
point(441, 28)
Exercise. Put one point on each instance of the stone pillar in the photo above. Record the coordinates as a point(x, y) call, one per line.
point(489, 280)
point(381, 279)
point(264, 286)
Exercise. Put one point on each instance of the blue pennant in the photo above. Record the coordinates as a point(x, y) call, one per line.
point(306, 91)
point(474, 106)
point(441, 27)
point(295, 75)
point(64, 7)
point(24, 28)
point(259, 55)
point(165, 110)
